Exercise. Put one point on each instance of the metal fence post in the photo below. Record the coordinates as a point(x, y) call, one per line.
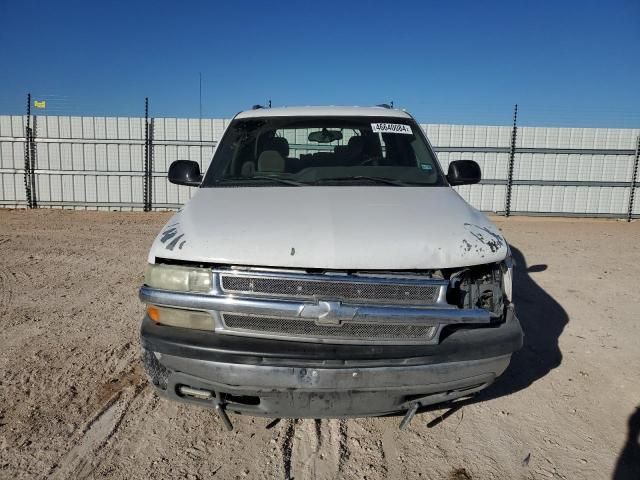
point(33, 156)
point(27, 154)
point(150, 167)
point(512, 155)
point(634, 180)
point(145, 190)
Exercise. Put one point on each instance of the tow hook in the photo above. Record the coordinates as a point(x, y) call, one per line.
point(409, 415)
point(214, 397)
point(222, 413)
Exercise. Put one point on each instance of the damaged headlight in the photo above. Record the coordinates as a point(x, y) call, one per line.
point(481, 286)
point(178, 278)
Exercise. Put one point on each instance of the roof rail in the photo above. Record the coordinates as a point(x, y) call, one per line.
point(257, 106)
point(386, 105)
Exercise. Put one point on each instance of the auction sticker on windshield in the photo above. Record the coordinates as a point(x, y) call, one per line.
point(391, 128)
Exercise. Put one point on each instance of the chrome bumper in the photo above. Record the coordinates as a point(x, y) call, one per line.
point(325, 313)
point(323, 392)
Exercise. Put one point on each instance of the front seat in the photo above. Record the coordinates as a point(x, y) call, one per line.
point(354, 151)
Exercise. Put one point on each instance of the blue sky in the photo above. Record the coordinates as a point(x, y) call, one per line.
point(564, 62)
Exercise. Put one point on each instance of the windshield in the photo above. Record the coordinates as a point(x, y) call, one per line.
point(300, 151)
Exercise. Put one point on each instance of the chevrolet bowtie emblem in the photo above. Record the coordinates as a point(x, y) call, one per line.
point(328, 313)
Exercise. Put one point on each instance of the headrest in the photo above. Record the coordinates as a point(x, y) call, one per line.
point(270, 161)
point(279, 144)
point(248, 169)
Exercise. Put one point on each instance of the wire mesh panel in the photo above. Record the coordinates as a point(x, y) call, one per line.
point(576, 171)
point(488, 146)
point(297, 328)
point(181, 139)
point(90, 162)
point(570, 200)
point(99, 163)
point(12, 153)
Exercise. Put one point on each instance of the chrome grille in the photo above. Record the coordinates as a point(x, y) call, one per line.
point(300, 328)
point(346, 288)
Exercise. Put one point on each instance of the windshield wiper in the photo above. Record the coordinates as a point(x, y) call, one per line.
point(284, 181)
point(383, 180)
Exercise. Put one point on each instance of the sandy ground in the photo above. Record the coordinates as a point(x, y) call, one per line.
point(74, 402)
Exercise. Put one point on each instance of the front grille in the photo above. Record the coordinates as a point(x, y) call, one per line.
point(347, 288)
point(301, 328)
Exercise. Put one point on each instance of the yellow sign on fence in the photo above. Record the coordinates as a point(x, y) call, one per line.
point(40, 104)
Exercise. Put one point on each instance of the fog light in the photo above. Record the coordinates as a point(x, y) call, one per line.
point(177, 317)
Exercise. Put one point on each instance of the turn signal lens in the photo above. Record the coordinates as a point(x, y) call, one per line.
point(154, 313)
point(178, 278)
point(177, 317)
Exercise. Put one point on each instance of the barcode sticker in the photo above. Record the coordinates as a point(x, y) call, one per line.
point(391, 128)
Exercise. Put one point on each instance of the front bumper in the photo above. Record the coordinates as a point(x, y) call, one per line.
point(302, 380)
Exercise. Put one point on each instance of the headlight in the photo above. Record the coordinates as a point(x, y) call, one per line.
point(177, 317)
point(178, 278)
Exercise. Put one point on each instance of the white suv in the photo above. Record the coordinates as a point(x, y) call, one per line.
point(326, 268)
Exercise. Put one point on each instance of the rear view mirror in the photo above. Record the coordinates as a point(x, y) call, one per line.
point(185, 172)
point(325, 136)
point(463, 172)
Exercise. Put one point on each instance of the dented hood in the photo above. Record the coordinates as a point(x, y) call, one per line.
point(331, 228)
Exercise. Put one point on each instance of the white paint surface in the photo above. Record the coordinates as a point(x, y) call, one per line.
point(331, 227)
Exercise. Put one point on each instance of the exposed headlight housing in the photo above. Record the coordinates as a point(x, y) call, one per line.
point(178, 278)
point(481, 286)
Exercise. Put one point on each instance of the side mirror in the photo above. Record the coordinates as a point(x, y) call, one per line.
point(463, 172)
point(185, 172)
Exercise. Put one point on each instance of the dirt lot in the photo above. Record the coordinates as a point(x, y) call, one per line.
point(74, 402)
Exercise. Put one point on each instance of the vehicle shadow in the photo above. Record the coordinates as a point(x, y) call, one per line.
point(543, 320)
point(628, 464)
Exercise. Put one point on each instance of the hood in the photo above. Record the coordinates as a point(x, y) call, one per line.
point(388, 228)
